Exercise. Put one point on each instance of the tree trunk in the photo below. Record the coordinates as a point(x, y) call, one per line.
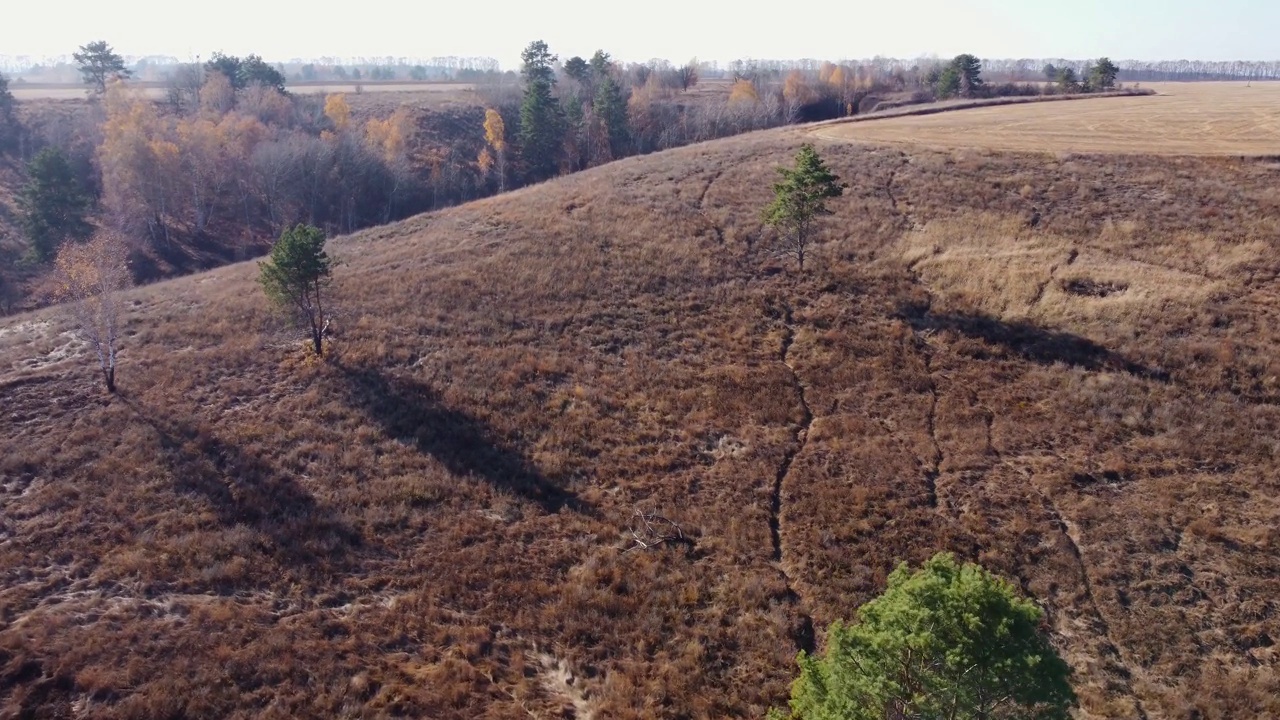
point(315, 340)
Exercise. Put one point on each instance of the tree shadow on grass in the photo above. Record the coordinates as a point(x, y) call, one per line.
point(412, 411)
point(244, 490)
point(1032, 342)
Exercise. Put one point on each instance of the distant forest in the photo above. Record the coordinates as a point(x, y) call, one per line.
point(214, 168)
point(25, 69)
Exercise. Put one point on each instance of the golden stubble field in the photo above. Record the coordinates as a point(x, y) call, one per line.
point(1227, 118)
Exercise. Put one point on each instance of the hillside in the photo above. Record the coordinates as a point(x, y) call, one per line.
point(1062, 366)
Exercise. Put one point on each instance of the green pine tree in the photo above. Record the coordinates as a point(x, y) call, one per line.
point(610, 107)
point(1102, 76)
point(949, 641)
point(295, 276)
point(962, 77)
point(52, 206)
point(541, 120)
point(9, 127)
point(800, 199)
point(98, 64)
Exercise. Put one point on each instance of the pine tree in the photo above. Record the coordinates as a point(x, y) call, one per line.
point(98, 64)
point(52, 205)
point(969, 69)
point(577, 69)
point(949, 641)
point(1102, 76)
point(961, 77)
point(295, 275)
point(9, 127)
point(541, 120)
point(800, 198)
point(611, 108)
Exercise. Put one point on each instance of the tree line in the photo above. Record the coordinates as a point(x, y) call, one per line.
point(230, 158)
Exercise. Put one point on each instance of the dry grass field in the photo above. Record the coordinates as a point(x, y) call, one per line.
point(1182, 119)
point(1066, 367)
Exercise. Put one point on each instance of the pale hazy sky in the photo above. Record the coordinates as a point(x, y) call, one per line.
point(643, 29)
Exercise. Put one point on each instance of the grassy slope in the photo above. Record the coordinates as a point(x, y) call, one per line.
point(432, 522)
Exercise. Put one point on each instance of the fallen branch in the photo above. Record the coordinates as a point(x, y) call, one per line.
point(650, 530)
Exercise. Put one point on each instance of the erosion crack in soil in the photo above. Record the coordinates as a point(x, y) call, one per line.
point(805, 635)
point(933, 466)
point(1060, 524)
point(1053, 273)
point(702, 197)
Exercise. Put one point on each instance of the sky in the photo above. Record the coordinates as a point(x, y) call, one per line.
point(636, 30)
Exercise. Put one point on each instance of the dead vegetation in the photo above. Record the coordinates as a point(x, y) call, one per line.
point(430, 522)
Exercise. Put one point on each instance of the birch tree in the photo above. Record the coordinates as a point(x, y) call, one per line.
point(90, 277)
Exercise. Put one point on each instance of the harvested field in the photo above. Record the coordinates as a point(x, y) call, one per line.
point(1182, 119)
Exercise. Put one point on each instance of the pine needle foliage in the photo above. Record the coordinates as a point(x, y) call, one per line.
point(295, 276)
point(800, 199)
point(948, 641)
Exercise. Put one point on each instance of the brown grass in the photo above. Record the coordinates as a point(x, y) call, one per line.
point(1183, 119)
point(431, 523)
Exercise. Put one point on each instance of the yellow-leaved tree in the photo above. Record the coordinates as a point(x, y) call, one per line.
point(338, 111)
point(796, 93)
point(390, 138)
point(140, 163)
point(839, 81)
point(217, 96)
point(744, 91)
point(89, 277)
point(495, 133)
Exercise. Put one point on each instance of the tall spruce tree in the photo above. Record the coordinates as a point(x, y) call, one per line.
point(611, 108)
point(541, 119)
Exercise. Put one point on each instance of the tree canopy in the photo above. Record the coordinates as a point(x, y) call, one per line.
point(962, 77)
point(948, 641)
point(52, 205)
point(89, 276)
point(541, 121)
point(295, 276)
point(601, 64)
point(251, 70)
point(98, 64)
point(611, 107)
point(8, 116)
point(1102, 76)
point(800, 198)
point(577, 69)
